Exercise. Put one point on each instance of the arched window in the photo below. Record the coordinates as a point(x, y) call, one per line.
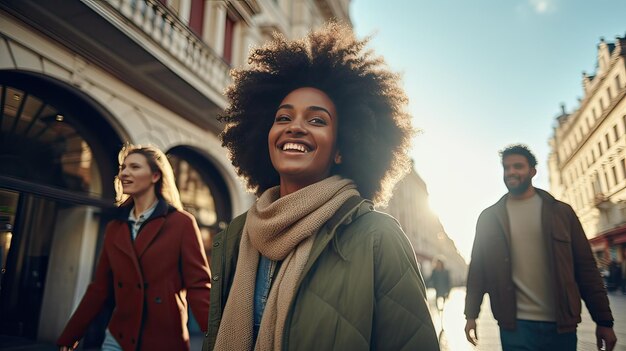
point(57, 163)
point(40, 143)
point(202, 190)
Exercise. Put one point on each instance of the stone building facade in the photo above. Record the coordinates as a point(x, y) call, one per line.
point(409, 205)
point(78, 79)
point(587, 162)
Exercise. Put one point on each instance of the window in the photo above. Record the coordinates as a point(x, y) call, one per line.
point(196, 16)
point(618, 83)
point(615, 132)
point(599, 149)
point(608, 141)
point(624, 167)
point(44, 144)
point(196, 196)
point(614, 171)
point(228, 39)
point(597, 188)
point(593, 156)
point(601, 104)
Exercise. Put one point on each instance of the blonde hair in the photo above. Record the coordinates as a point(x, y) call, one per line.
point(165, 187)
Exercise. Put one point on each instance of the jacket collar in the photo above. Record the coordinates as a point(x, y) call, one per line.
point(544, 195)
point(148, 231)
point(546, 213)
point(352, 209)
point(162, 209)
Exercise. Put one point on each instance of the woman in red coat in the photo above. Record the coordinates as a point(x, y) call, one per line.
point(152, 263)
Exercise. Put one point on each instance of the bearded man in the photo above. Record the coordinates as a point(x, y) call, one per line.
point(532, 257)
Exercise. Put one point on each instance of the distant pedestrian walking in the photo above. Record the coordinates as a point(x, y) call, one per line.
point(440, 280)
point(532, 257)
point(615, 276)
point(151, 266)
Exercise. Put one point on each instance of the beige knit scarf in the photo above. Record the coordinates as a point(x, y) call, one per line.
point(279, 228)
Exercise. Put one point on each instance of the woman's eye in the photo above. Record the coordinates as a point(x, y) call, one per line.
point(281, 118)
point(318, 120)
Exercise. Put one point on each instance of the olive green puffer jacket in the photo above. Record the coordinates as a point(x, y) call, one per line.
point(360, 290)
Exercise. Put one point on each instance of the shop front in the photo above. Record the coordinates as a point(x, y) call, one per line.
point(57, 162)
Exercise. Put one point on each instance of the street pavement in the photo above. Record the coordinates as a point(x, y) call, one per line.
point(449, 326)
point(451, 323)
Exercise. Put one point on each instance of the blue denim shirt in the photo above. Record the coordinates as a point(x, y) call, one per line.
point(136, 223)
point(262, 290)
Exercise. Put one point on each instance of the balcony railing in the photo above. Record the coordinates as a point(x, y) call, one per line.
point(165, 28)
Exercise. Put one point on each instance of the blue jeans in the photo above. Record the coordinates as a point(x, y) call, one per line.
point(535, 336)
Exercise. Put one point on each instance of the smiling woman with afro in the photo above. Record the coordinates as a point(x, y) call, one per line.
point(374, 129)
point(318, 129)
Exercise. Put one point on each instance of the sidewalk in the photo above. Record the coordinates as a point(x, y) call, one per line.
point(450, 326)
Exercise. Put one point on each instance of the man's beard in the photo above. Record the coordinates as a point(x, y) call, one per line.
point(520, 188)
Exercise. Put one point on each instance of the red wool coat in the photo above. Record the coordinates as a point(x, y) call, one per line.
point(151, 280)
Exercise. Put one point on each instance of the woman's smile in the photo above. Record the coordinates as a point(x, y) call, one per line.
point(295, 147)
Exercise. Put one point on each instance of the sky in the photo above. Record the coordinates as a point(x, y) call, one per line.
point(481, 75)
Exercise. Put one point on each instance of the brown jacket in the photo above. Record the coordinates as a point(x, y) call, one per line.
point(572, 265)
point(151, 281)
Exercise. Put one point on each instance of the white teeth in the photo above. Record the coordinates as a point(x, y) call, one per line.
point(294, 146)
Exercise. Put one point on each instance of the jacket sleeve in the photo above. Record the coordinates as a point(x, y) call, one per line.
point(586, 272)
point(97, 294)
point(196, 273)
point(476, 288)
point(402, 319)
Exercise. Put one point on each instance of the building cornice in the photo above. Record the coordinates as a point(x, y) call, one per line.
point(617, 54)
point(244, 10)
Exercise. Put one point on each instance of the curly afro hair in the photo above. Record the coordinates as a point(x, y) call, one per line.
point(374, 130)
point(519, 149)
